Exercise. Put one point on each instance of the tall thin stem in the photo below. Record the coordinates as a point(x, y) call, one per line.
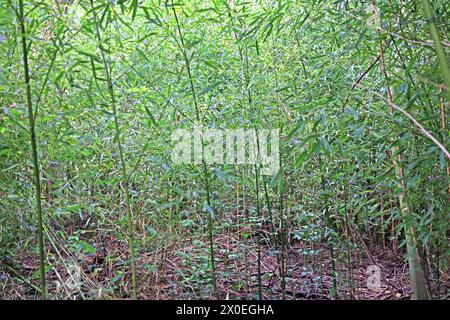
point(417, 277)
point(121, 155)
point(204, 167)
point(442, 58)
point(33, 139)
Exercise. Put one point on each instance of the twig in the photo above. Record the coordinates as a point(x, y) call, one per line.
point(417, 123)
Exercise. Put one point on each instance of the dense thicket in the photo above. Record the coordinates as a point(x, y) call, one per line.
point(91, 92)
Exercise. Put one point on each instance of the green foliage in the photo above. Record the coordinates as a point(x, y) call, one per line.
point(107, 93)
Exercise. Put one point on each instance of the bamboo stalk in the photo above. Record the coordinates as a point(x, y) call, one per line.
point(33, 140)
point(125, 180)
point(417, 277)
point(442, 57)
point(204, 167)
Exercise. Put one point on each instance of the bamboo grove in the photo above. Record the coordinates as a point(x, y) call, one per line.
point(92, 207)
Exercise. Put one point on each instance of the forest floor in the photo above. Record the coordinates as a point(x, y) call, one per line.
point(180, 270)
point(305, 278)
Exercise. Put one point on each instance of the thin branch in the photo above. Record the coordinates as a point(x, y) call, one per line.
point(417, 123)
